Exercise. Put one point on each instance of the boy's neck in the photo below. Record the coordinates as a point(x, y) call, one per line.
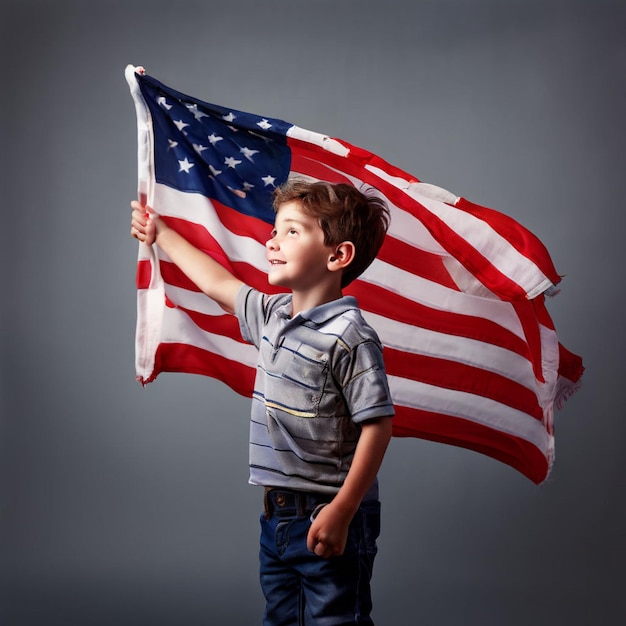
point(303, 301)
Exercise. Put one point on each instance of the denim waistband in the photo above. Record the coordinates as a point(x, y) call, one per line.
point(288, 503)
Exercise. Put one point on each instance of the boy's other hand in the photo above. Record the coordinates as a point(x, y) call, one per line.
point(143, 223)
point(329, 532)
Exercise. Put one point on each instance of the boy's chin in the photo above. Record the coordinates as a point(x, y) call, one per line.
point(274, 280)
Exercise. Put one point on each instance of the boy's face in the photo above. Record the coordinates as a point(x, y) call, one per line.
point(296, 251)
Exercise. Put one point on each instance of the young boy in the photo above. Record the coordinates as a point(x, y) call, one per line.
point(321, 409)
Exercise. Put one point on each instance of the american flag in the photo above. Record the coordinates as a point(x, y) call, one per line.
point(456, 293)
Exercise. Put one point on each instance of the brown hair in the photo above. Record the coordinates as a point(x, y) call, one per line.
point(344, 214)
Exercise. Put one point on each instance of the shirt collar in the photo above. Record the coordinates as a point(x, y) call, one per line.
point(324, 312)
point(319, 314)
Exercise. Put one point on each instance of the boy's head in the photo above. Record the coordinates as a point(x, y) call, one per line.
point(344, 214)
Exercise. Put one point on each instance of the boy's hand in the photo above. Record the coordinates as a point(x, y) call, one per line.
point(329, 531)
point(143, 223)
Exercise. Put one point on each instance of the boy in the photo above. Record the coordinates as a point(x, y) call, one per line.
point(321, 409)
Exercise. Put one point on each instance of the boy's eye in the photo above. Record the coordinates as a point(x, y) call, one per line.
point(292, 231)
point(273, 233)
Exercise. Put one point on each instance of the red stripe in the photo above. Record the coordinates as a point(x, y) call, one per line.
point(416, 261)
point(396, 307)
point(313, 167)
point(570, 364)
point(143, 274)
point(526, 315)
point(174, 276)
point(178, 357)
point(447, 374)
point(242, 224)
point(225, 325)
point(199, 237)
point(525, 242)
point(368, 158)
point(539, 304)
point(514, 451)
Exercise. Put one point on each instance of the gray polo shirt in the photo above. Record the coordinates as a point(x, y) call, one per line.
point(319, 376)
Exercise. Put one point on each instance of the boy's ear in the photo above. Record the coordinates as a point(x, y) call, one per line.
point(342, 256)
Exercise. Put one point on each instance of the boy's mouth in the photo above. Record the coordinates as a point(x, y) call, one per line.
point(276, 262)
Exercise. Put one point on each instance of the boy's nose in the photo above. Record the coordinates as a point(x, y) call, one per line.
point(271, 244)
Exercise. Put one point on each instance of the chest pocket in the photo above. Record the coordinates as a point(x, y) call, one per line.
point(299, 380)
point(306, 375)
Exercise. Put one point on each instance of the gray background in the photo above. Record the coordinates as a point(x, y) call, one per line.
point(129, 506)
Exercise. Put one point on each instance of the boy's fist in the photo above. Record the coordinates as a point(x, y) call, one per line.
point(142, 223)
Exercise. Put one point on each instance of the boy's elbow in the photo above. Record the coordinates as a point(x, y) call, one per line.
point(224, 293)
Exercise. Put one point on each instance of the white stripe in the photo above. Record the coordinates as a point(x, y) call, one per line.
point(477, 409)
point(148, 329)
point(420, 341)
point(145, 166)
point(440, 297)
point(318, 139)
point(193, 300)
point(177, 329)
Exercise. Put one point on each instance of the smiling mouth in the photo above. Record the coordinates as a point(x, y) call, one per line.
point(276, 262)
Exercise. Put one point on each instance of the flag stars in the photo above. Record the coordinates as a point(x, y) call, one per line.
point(214, 172)
point(231, 162)
point(199, 148)
point(213, 138)
point(196, 112)
point(163, 102)
point(229, 118)
point(269, 180)
point(171, 144)
point(185, 165)
point(248, 153)
point(180, 125)
point(264, 124)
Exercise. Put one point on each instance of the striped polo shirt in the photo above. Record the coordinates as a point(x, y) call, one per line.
point(320, 375)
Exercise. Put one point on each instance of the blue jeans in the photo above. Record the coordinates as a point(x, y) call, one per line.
point(302, 588)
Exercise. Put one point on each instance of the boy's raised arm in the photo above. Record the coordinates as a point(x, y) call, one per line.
point(211, 278)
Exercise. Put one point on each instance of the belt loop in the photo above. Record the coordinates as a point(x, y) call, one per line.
point(267, 503)
point(301, 504)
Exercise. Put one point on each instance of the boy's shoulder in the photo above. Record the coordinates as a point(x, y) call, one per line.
point(343, 319)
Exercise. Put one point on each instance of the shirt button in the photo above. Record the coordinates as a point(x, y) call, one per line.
point(280, 499)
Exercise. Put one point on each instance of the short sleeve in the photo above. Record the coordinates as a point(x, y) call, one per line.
point(364, 382)
point(250, 314)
